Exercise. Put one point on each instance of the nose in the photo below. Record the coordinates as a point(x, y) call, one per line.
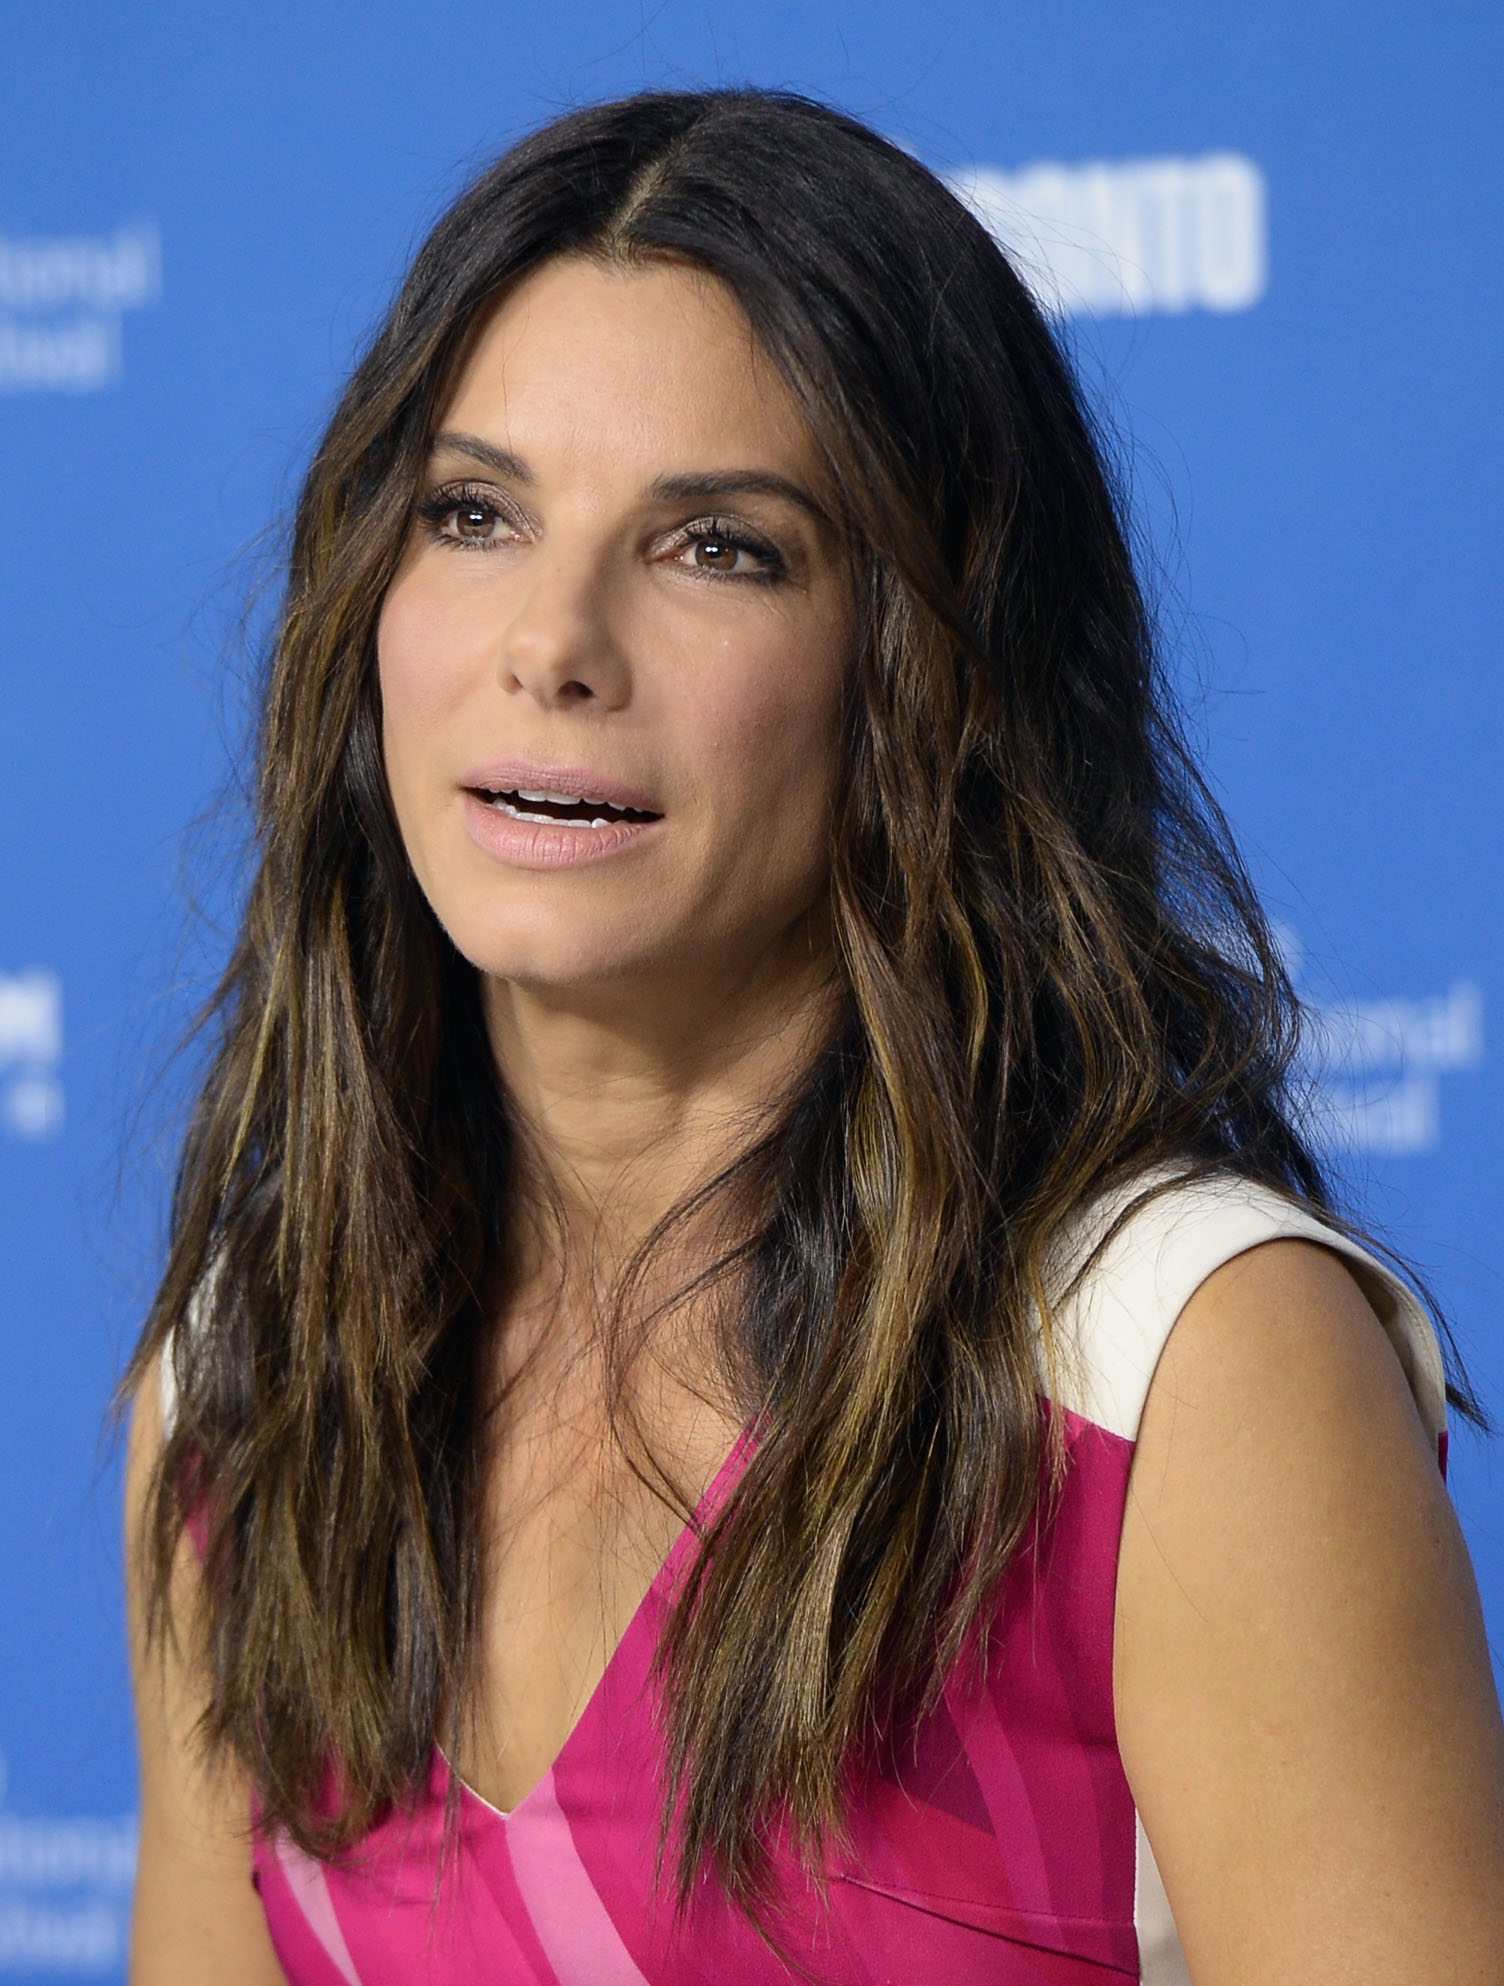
point(558, 646)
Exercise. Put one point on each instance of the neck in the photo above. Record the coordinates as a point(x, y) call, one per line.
point(632, 1095)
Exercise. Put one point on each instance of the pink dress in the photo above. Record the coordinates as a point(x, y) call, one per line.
point(998, 1845)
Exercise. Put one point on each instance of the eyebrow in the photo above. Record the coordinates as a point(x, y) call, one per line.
point(735, 482)
point(666, 489)
point(501, 460)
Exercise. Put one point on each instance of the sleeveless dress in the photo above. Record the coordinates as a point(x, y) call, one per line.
point(997, 1846)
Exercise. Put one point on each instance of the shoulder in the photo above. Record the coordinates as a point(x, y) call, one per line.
point(1137, 1258)
point(195, 1914)
point(1282, 1447)
point(1305, 1706)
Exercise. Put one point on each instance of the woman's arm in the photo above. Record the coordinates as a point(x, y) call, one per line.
point(1305, 1706)
point(196, 1915)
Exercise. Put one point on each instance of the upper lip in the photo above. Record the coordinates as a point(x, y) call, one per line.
point(571, 782)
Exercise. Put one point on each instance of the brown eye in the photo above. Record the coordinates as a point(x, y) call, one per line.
point(716, 555)
point(474, 520)
point(727, 552)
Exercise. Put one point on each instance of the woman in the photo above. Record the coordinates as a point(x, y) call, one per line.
point(660, 1453)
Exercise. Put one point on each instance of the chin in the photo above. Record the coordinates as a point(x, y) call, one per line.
point(557, 956)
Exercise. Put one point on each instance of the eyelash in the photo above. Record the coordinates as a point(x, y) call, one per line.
point(436, 510)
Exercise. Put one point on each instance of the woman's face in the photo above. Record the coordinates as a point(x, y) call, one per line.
point(612, 658)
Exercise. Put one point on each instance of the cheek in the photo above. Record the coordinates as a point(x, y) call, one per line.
point(783, 715)
point(769, 742)
point(419, 669)
point(425, 669)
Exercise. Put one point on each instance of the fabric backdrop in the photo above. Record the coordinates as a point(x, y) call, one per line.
point(1272, 235)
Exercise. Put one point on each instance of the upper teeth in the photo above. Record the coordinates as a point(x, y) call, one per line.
point(509, 800)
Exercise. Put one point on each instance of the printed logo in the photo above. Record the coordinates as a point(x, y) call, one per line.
point(1129, 237)
point(61, 302)
point(31, 1050)
point(65, 1886)
point(1380, 1065)
point(1375, 1066)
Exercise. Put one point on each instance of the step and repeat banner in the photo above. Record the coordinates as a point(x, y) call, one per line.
point(1271, 237)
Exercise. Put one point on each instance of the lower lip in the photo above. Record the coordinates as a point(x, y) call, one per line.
point(547, 844)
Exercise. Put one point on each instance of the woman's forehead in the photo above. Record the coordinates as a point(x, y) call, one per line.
point(588, 356)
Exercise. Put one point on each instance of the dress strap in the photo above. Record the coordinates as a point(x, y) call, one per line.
point(1116, 1311)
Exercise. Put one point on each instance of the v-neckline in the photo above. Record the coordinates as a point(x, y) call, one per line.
point(714, 1494)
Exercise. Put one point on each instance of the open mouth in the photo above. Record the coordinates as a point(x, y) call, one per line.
point(558, 809)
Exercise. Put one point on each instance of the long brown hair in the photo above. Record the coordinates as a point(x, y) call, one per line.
point(1056, 973)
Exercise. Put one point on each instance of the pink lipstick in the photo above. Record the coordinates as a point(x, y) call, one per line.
point(539, 816)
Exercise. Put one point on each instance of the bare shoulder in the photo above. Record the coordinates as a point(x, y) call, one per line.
point(195, 1915)
point(1306, 1709)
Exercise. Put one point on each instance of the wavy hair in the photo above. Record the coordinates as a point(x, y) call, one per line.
point(1056, 974)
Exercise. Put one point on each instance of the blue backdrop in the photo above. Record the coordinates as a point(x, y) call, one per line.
point(1273, 233)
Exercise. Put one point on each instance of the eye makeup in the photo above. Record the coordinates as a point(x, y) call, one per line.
point(467, 515)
